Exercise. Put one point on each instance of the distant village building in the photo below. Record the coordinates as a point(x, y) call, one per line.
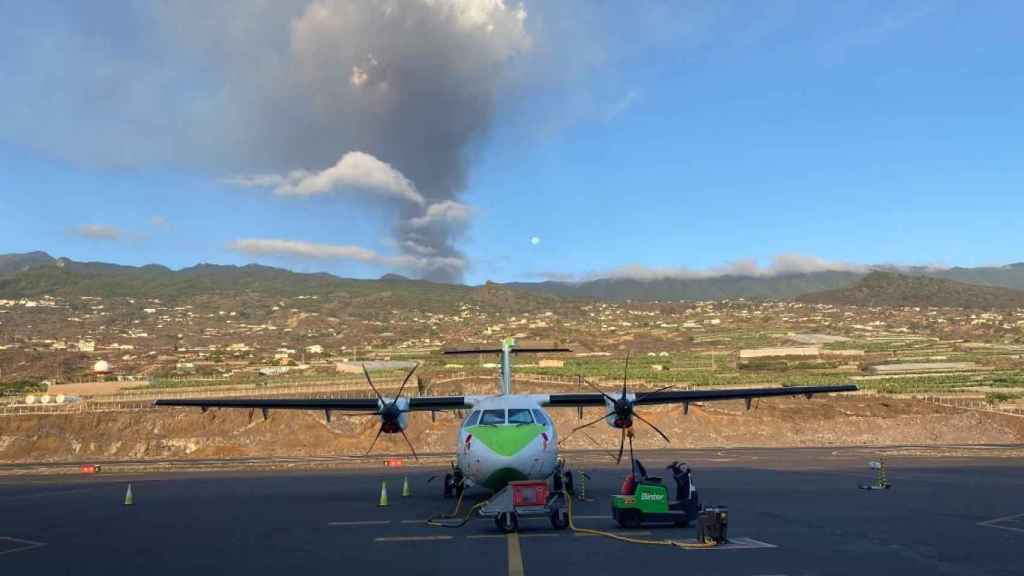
point(101, 367)
point(86, 346)
point(551, 363)
point(315, 349)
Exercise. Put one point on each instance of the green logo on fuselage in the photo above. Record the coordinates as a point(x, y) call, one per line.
point(506, 440)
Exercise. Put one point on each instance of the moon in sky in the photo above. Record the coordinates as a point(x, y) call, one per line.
point(535, 240)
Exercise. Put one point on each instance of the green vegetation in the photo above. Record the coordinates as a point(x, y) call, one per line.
point(998, 397)
point(693, 370)
point(70, 279)
point(20, 388)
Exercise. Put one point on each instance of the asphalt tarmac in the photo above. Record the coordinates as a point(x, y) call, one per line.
point(791, 512)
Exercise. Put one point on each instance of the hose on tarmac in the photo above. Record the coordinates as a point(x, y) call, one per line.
point(621, 538)
point(439, 520)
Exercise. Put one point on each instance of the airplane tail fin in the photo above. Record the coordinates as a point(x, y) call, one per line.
point(508, 348)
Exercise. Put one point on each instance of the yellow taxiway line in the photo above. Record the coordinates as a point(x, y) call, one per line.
point(515, 555)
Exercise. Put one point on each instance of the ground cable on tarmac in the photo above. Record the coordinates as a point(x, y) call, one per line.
point(621, 538)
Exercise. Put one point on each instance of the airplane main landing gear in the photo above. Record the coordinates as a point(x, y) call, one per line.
point(454, 483)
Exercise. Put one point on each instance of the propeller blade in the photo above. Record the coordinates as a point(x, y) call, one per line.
point(411, 449)
point(646, 394)
point(622, 445)
point(598, 444)
point(632, 459)
point(374, 443)
point(644, 420)
point(588, 424)
point(406, 381)
point(625, 375)
point(599, 391)
point(372, 387)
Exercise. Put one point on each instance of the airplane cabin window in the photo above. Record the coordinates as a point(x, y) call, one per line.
point(519, 416)
point(492, 417)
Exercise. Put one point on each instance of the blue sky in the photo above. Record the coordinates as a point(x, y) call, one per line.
point(677, 137)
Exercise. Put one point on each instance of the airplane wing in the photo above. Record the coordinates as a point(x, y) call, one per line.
point(367, 405)
point(688, 396)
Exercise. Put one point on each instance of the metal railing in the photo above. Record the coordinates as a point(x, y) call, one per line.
point(328, 387)
point(974, 404)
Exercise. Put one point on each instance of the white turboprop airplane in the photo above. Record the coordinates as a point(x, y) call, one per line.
point(506, 436)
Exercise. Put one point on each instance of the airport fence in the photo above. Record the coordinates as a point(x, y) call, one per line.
point(973, 404)
point(334, 387)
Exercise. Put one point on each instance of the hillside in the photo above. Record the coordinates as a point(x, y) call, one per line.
point(70, 279)
point(37, 273)
point(712, 288)
point(14, 263)
point(891, 289)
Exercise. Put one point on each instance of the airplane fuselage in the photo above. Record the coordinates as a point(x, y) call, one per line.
point(505, 438)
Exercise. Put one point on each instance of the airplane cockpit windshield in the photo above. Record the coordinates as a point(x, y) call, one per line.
point(472, 419)
point(519, 416)
point(492, 417)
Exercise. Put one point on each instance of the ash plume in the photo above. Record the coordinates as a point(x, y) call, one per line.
point(303, 98)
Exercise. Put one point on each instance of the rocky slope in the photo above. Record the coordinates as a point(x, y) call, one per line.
point(175, 433)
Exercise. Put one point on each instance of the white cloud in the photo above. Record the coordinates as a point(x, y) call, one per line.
point(96, 232)
point(354, 170)
point(160, 222)
point(314, 251)
point(790, 263)
point(447, 213)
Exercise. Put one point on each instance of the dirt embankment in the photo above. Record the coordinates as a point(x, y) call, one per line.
point(176, 433)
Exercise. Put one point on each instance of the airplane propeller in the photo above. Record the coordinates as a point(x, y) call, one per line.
point(624, 412)
point(390, 412)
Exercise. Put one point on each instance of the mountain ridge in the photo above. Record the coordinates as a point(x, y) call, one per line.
point(890, 289)
point(37, 273)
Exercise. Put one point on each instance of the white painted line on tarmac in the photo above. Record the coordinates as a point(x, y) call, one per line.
point(24, 545)
point(995, 523)
point(410, 538)
point(412, 522)
point(39, 495)
point(625, 534)
point(743, 544)
point(360, 523)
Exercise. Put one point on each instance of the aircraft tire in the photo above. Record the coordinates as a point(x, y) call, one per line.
point(559, 520)
point(507, 522)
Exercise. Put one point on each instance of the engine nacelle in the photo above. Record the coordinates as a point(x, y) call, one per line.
point(394, 415)
point(620, 412)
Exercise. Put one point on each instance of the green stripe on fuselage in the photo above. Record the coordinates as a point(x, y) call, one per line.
point(506, 440)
